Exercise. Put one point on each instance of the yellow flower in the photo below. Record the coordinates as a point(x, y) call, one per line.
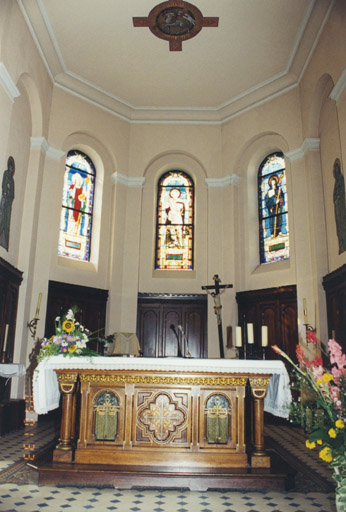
point(331, 433)
point(326, 455)
point(319, 382)
point(68, 326)
point(72, 348)
point(310, 445)
point(319, 441)
point(327, 377)
point(340, 424)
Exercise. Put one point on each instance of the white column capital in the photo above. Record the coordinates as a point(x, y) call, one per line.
point(128, 181)
point(231, 179)
point(7, 83)
point(307, 145)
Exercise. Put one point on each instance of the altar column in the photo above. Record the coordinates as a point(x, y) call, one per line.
point(258, 385)
point(68, 386)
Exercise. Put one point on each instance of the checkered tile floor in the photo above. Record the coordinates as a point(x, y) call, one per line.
point(33, 498)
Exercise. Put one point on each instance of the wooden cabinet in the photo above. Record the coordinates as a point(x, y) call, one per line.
point(92, 303)
point(158, 320)
point(335, 288)
point(276, 308)
point(10, 280)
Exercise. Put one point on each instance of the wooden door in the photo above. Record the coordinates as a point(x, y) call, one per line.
point(10, 280)
point(335, 288)
point(92, 304)
point(158, 320)
point(276, 308)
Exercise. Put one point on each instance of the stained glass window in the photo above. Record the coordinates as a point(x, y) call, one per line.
point(273, 215)
point(77, 207)
point(175, 222)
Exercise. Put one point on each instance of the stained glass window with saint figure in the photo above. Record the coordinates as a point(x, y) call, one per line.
point(175, 222)
point(273, 215)
point(77, 207)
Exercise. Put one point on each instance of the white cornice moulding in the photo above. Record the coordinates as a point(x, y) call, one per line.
point(128, 181)
point(42, 144)
point(308, 145)
point(231, 179)
point(339, 87)
point(7, 83)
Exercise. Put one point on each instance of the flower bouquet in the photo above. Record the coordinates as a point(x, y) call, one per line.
point(70, 338)
point(326, 388)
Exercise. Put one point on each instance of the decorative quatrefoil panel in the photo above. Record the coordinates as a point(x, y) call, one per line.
point(161, 419)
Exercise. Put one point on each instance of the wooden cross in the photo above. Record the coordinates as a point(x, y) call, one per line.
point(214, 291)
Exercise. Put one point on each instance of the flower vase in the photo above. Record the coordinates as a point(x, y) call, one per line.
point(340, 490)
point(340, 499)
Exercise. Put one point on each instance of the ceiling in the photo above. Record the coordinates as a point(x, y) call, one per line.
point(259, 49)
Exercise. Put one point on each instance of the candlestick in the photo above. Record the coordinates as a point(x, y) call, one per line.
point(264, 335)
point(305, 312)
point(250, 339)
point(38, 305)
point(238, 339)
point(5, 338)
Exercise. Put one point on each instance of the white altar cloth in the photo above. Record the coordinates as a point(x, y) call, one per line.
point(9, 370)
point(47, 394)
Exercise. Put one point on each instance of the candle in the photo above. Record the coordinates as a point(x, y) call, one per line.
point(264, 335)
point(250, 334)
point(238, 340)
point(305, 312)
point(38, 305)
point(5, 338)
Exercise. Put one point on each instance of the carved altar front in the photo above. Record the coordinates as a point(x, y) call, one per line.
point(152, 414)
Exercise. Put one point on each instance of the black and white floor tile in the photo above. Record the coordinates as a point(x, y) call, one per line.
point(33, 498)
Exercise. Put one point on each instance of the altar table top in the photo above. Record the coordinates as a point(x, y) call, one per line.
point(47, 394)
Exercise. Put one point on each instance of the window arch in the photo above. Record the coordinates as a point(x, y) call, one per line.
point(272, 208)
point(77, 206)
point(175, 222)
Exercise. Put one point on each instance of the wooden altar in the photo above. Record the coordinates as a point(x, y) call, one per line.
point(170, 417)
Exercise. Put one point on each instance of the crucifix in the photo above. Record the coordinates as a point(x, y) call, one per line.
point(215, 291)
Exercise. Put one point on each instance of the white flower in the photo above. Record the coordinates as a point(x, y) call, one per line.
point(57, 319)
point(80, 344)
point(69, 315)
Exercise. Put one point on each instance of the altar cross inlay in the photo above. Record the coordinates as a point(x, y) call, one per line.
point(161, 419)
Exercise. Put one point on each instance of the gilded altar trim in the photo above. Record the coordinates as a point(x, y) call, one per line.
point(67, 377)
point(259, 382)
point(158, 379)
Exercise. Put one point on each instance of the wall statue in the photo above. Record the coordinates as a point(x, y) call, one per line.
point(7, 197)
point(339, 205)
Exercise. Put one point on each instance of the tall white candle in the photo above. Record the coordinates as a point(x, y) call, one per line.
point(264, 335)
point(305, 312)
point(250, 339)
point(38, 305)
point(5, 338)
point(238, 340)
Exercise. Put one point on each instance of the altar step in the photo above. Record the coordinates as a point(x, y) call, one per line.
point(279, 477)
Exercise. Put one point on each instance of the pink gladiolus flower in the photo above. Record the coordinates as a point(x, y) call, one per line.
point(311, 337)
point(336, 355)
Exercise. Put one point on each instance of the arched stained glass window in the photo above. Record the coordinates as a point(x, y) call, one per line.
point(175, 222)
point(273, 215)
point(77, 207)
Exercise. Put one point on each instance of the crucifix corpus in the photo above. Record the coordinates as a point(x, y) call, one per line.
point(215, 291)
